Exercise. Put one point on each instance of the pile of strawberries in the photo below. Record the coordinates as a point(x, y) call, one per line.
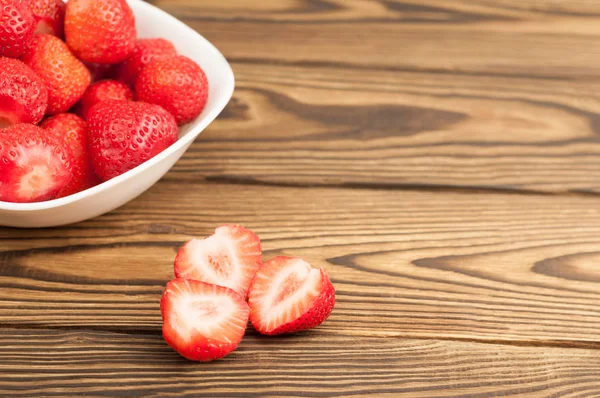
point(205, 312)
point(81, 66)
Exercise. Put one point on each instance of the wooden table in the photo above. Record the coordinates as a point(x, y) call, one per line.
point(441, 159)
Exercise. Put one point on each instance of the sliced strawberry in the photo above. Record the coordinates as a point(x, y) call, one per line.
point(49, 16)
point(288, 295)
point(202, 322)
point(35, 166)
point(228, 258)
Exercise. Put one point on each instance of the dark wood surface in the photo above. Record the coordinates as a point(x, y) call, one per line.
point(438, 158)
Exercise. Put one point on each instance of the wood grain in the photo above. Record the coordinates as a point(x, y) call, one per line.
point(493, 94)
point(438, 158)
point(308, 365)
point(419, 264)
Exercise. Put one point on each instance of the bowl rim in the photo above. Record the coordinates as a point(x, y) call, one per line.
point(197, 126)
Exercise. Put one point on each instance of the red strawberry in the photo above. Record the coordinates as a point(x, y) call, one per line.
point(17, 26)
point(100, 31)
point(49, 16)
point(231, 257)
point(202, 322)
point(177, 84)
point(124, 135)
point(287, 295)
point(23, 94)
point(34, 166)
point(145, 52)
point(105, 90)
point(65, 76)
point(73, 131)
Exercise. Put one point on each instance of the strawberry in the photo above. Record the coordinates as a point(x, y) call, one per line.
point(202, 322)
point(231, 257)
point(23, 94)
point(177, 84)
point(49, 16)
point(105, 90)
point(17, 26)
point(145, 52)
point(288, 295)
point(65, 76)
point(73, 131)
point(35, 166)
point(100, 31)
point(124, 135)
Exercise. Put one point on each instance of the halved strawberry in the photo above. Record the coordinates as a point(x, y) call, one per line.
point(228, 258)
point(288, 295)
point(35, 166)
point(49, 16)
point(202, 322)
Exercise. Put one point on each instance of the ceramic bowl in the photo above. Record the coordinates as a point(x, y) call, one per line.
point(151, 22)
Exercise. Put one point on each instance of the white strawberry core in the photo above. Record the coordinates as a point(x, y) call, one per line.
point(209, 315)
point(218, 260)
point(37, 179)
point(290, 293)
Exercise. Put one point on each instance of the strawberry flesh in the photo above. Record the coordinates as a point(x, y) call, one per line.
point(202, 322)
point(34, 166)
point(231, 257)
point(288, 295)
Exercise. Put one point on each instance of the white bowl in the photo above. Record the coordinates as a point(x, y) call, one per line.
point(151, 22)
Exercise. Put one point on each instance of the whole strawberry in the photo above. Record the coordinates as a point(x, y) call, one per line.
point(17, 26)
point(72, 130)
point(65, 76)
point(100, 31)
point(124, 135)
point(49, 16)
point(177, 84)
point(145, 52)
point(105, 90)
point(35, 166)
point(23, 94)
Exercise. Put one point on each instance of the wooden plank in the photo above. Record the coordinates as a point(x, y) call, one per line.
point(492, 94)
point(311, 364)
point(309, 125)
point(546, 38)
point(417, 264)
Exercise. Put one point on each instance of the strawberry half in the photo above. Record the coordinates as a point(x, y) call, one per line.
point(49, 16)
point(35, 166)
point(228, 258)
point(202, 322)
point(288, 295)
